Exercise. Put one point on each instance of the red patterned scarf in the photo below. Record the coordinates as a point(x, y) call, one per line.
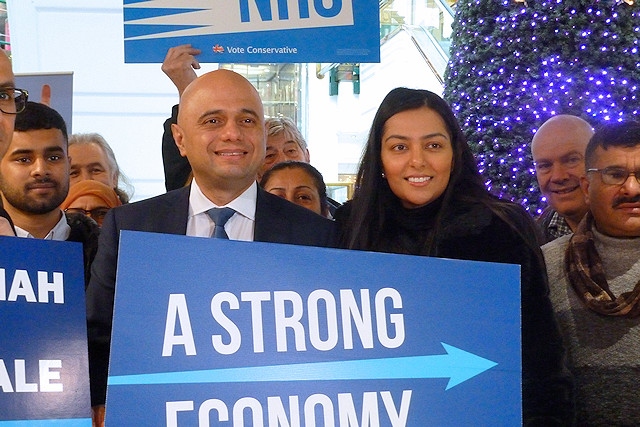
point(586, 275)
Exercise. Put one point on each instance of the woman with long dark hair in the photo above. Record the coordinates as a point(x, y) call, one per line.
point(418, 192)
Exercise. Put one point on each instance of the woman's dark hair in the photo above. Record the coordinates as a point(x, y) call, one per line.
point(363, 228)
point(313, 173)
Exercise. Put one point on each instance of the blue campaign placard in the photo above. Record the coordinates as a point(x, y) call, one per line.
point(44, 373)
point(210, 331)
point(254, 31)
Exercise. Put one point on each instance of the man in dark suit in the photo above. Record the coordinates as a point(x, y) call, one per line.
point(221, 131)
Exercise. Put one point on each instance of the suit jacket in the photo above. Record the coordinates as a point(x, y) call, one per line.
point(277, 221)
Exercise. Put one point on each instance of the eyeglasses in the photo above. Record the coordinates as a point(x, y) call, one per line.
point(615, 176)
point(12, 100)
point(97, 214)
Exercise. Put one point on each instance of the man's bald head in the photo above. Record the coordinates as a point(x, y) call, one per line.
point(225, 83)
point(558, 149)
point(221, 131)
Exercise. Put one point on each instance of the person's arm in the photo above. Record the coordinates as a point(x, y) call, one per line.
point(179, 65)
point(547, 385)
point(100, 297)
point(177, 169)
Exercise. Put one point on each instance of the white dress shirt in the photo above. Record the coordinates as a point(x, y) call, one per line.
point(239, 227)
point(59, 232)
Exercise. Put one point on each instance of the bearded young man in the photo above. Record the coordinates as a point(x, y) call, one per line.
point(34, 181)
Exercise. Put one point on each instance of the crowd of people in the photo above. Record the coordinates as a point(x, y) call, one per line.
point(232, 173)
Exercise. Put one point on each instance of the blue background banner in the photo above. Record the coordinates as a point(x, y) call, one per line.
point(44, 373)
point(254, 31)
point(307, 333)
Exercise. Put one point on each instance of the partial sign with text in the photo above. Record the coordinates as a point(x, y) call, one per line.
point(210, 331)
point(44, 373)
point(254, 31)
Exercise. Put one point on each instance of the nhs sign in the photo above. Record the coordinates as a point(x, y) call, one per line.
point(254, 30)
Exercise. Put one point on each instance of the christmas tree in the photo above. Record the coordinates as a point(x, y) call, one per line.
point(515, 64)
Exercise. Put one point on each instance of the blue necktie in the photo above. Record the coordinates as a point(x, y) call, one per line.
point(220, 216)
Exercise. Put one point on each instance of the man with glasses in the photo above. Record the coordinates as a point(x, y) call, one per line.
point(558, 153)
point(594, 280)
point(34, 178)
point(10, 105)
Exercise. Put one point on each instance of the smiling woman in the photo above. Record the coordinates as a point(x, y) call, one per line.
point(418, 192)
point(299, 183)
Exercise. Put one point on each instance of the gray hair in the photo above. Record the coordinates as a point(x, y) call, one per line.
point(278, 125)
point(96, 138)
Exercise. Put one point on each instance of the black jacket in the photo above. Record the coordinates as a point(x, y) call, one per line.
point(276, 221)
point(86, 231)
point(476, 233)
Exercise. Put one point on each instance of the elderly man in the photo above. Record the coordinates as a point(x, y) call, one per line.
point(93, 159)
point(558, 153)
point(221, 132)
point(594, 279)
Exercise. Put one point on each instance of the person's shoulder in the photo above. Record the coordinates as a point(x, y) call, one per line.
point(173, 196)
point(513, 215)
point(280, 221)
point(555, 247)
point(545, 217)
point(343, 211)
point(83, 228)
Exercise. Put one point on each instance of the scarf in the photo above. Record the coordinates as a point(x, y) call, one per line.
point(586, 275)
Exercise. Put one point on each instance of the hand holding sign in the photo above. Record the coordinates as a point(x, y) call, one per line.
point(179, 64)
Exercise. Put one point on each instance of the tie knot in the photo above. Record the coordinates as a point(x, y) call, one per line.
point(220, 216)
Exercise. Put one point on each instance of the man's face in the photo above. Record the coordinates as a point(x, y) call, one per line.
point(6, 120)
point(89, 162)
point(221, 130)
point(283, 147)
point(34, 173)
point(559, 159)
point(615, 208)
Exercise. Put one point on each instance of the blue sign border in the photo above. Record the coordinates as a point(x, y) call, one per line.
point(34, 331)
point(448, 305)
point(151, 30)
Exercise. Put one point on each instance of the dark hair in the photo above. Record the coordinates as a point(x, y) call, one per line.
point(313, 173)
point(37, 116)
point(366, 221)
point(616, 134)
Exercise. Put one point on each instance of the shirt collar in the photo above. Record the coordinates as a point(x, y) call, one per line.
point(59, 232)
point(558, 226)
point(244, 204)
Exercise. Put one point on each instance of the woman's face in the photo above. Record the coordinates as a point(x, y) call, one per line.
point(295, 185)
point(417, 156)
point(90, 205)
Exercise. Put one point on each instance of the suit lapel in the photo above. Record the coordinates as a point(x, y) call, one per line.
point(271, 226)
point(173, 213)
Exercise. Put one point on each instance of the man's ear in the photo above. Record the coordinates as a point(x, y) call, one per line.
point(178, 137)
point(584, 186)
point(307, 156)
